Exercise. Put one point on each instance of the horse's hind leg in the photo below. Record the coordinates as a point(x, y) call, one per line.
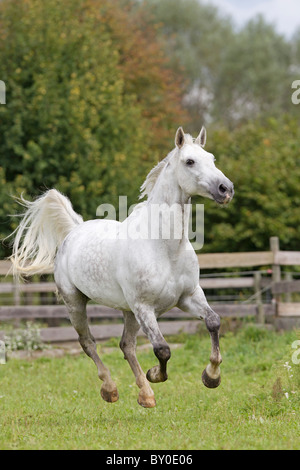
point(128, 346)
point(76, 304)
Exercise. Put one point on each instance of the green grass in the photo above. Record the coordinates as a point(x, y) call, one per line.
point(55, 403)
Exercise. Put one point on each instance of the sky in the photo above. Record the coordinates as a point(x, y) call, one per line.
point(285, 14)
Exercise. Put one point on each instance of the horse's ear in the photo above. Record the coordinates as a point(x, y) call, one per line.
point(201, 139)
point(179, 138)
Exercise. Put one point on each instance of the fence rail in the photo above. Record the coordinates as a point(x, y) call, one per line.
point(235, 260)
point(280, 305)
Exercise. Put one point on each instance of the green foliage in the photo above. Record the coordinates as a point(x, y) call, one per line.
point(262, 160)
point(233, 75)
point(255, 75)
point(27, 338)
point(65, 102)
point(76, 117)
point(196, 37)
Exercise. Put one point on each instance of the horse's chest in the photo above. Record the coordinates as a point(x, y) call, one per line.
point(167, 294)
point(161, 284)
point(170, 295)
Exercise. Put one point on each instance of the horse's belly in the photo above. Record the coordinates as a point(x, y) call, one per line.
point(97, 282)
point(118, 303)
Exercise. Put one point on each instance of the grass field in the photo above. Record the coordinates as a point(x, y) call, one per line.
point(55, 403)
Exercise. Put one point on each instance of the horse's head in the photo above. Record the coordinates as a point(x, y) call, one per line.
point(196, 170)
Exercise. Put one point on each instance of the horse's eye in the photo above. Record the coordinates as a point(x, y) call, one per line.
point(190, 162)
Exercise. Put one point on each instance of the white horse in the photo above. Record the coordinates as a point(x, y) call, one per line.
point(142, 276)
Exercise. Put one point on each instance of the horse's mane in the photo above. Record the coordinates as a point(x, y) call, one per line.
point(152, 177)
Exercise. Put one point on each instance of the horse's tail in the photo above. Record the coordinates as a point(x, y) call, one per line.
point(44, 225)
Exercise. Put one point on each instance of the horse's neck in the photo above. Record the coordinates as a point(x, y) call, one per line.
point(170, 199)
point(166, 189)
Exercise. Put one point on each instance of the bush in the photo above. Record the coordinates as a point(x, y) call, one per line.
point(27, 338)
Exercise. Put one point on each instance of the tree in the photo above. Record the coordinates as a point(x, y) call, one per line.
point(79, 116)
point(232, 75)
point(262, 160)
point(149, 77)
point(255, 75)
point(196, 37)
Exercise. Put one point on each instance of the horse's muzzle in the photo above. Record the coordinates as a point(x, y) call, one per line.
point(223, 193)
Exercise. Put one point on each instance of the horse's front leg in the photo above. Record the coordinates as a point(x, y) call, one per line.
point(211, 375)
point(196, 304)
point(148, 322)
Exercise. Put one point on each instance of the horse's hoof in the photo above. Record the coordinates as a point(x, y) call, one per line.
point(210, 382)
point(110, 396)
point(147, 402)
point(155, 375)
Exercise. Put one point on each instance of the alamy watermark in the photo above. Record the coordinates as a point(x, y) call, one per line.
point(296, 354)
point(2, 353)
point(155, 221)
point(2, 92)
point(296, 95)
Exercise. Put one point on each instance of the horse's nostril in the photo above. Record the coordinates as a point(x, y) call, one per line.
point(223, 189)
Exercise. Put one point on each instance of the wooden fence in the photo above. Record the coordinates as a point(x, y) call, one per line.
point(278, 309)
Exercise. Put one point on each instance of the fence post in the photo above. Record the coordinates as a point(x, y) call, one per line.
point(288, 277)
point(16, 292)
point(257, 291)
point(276, 272)
point(17, 300)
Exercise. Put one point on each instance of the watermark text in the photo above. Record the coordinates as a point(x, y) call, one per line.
point(2, 353)
point(296, 95)
point(296, 354)
point(2, 92)
point(154, 221)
